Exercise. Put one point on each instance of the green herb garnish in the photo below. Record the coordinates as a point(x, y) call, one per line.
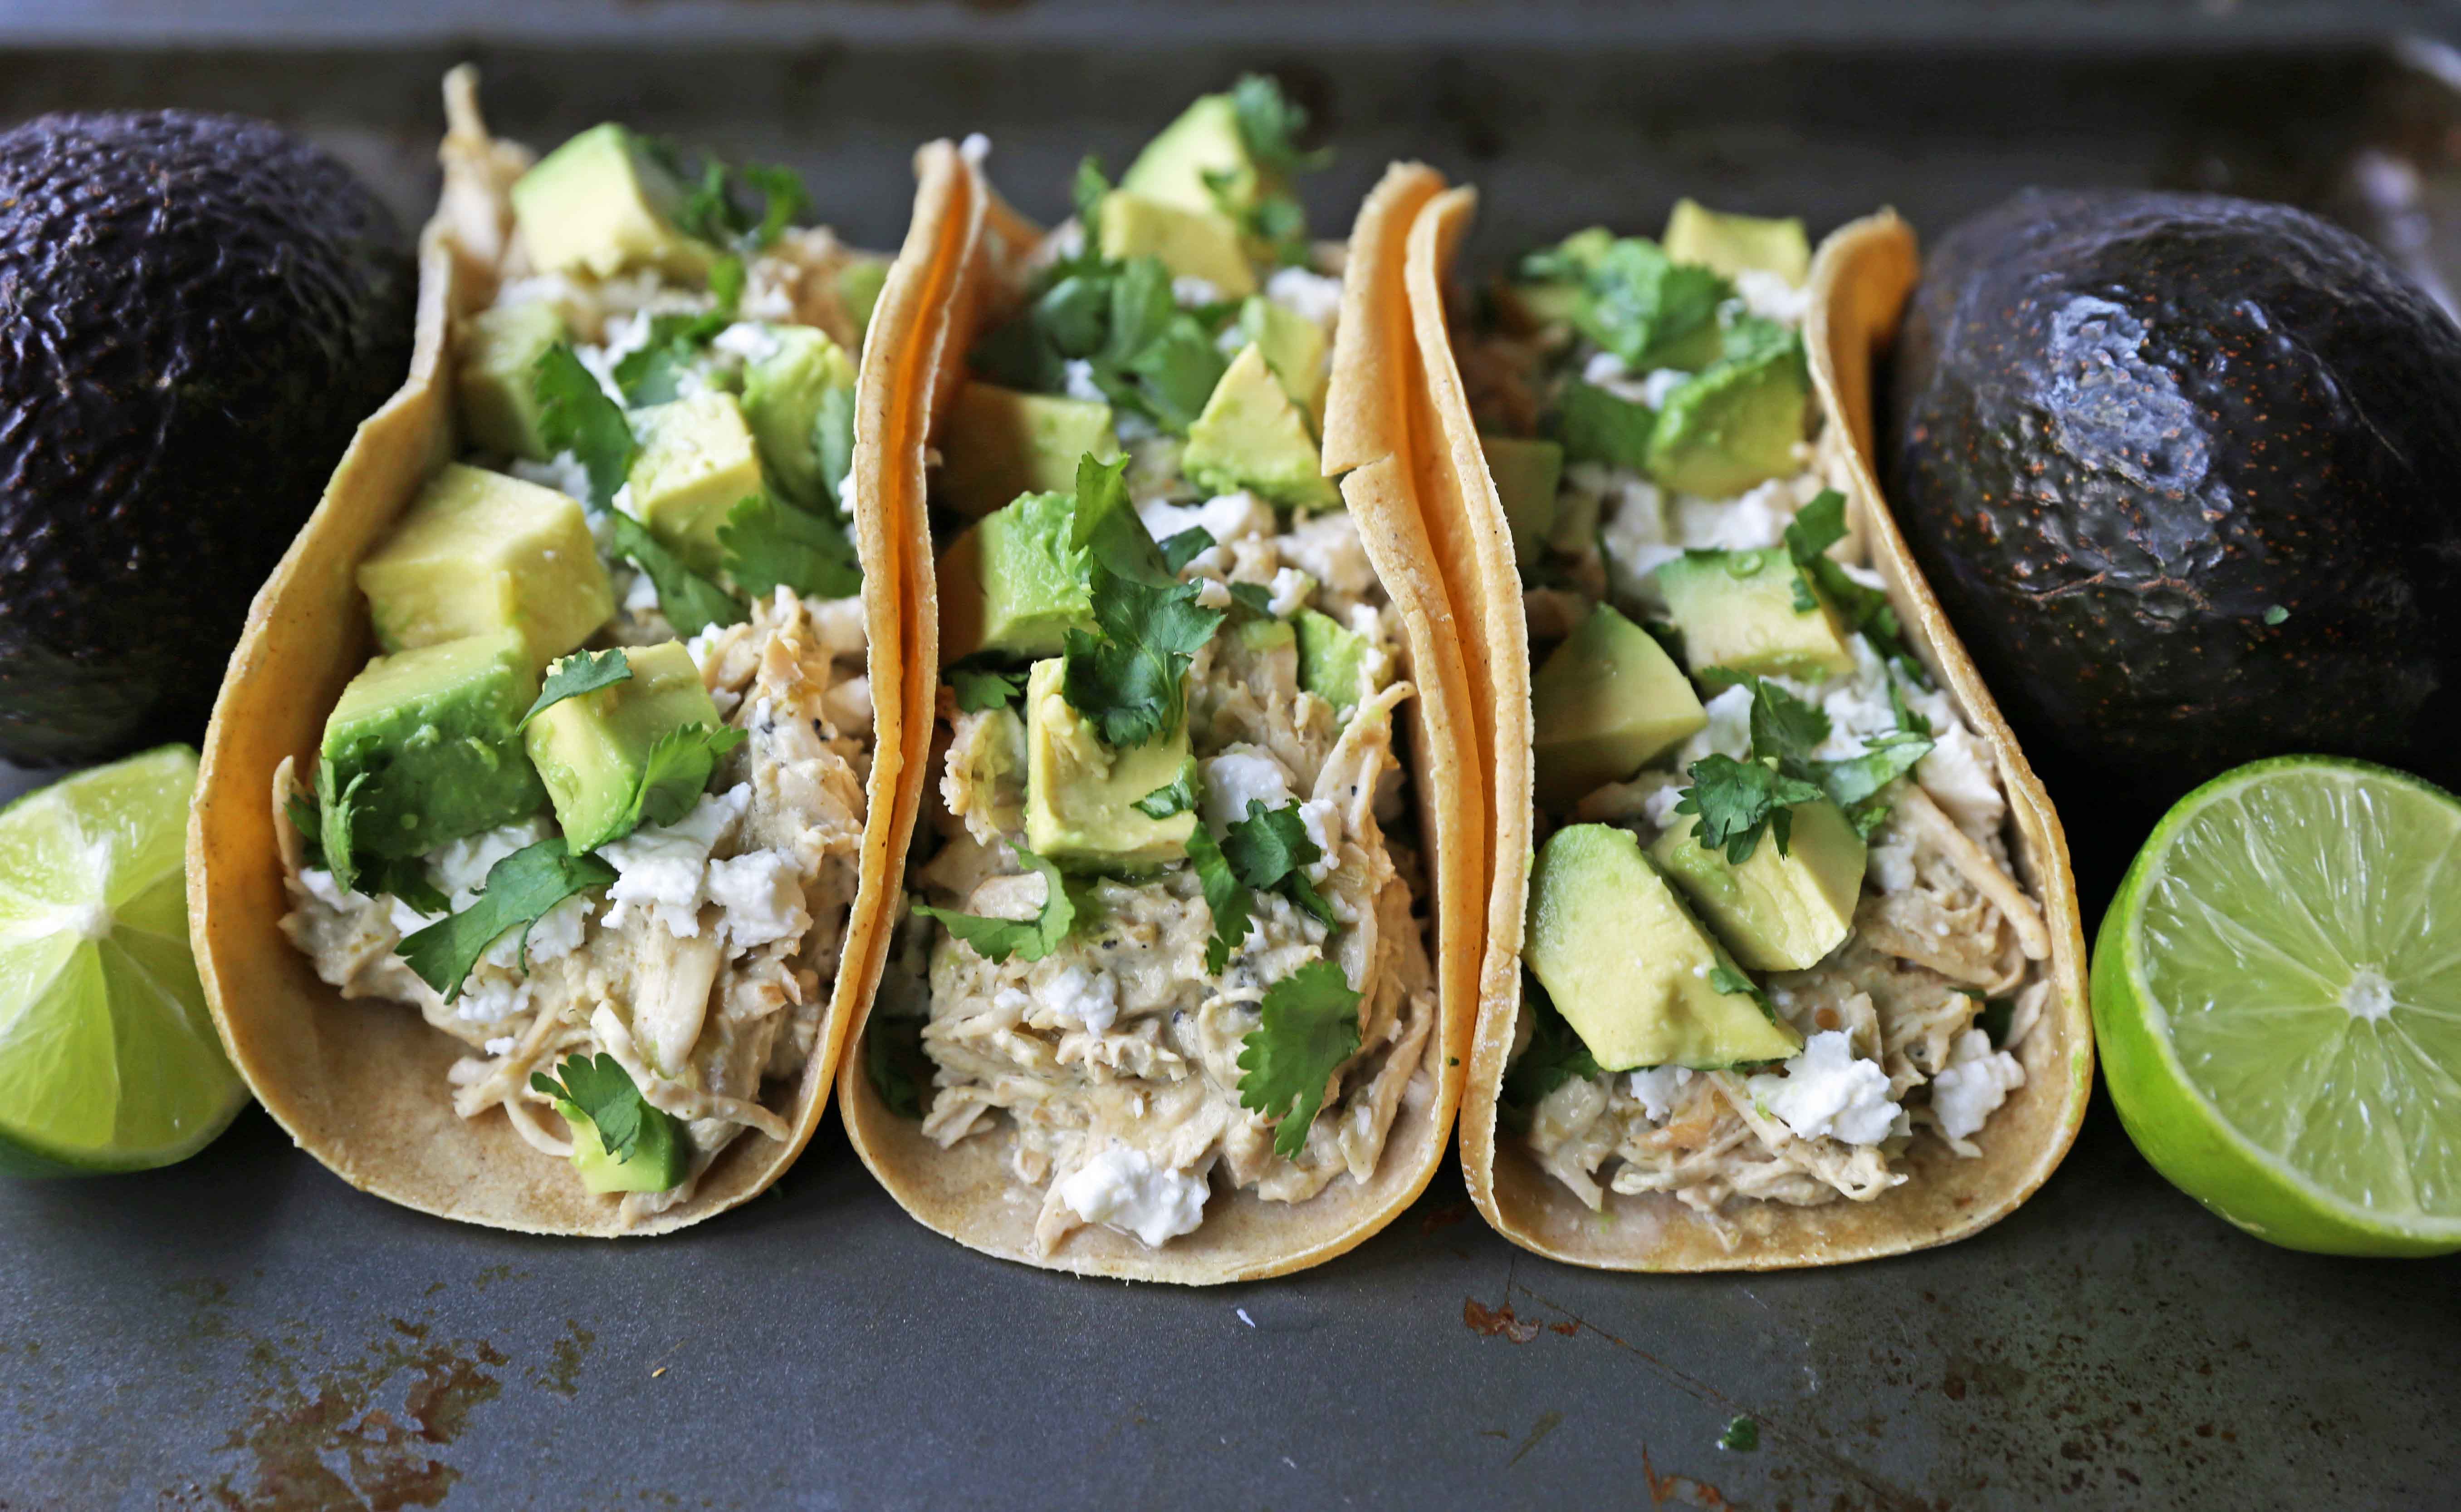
point(1307, 1026)
point(690, 602)
point(581, 673)
point(518, 891)
point(576, 415)
point(602, 1092)
point(1026, 939)
point(771, 544)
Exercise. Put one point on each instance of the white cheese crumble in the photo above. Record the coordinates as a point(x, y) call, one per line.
point(1121, 1188)
point(642, 597)
point(1078, 382)
point(976, 148)
point(1241, 773)
point(1322, 821)
point(1191, 291)
point(563, 471)
point(1770, 296)
point(1829, 1091)
point(1749, 521)
point(1971, 1087)
point(1307, 293)
point(460, 868)
point(762, 897)
point(1656, 1089)
point(1891, 864)
point(663, 869)
point(1958, 774)
point(1661, 385)
point(750, 340)
point(1225, 516)
point(1291, 592)
point(1631, 529)
point(1092, 998)
point(1728, 733)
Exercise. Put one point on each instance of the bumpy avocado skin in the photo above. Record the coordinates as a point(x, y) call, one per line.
point(2186, 472)
point(195, 313)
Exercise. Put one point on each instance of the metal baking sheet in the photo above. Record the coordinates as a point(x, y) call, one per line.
point(246, 1331)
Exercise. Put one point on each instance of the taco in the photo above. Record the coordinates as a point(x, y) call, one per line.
point(1186, 988)
point(1784, 962)
point(538, 848)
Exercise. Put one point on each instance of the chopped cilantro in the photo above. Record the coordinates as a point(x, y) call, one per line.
point(338, 816)
point(690, 602)
point(1225, 899)
point(1727, 979)
point(650, 373)
point(1741, 1434)
point(404, 877)
point(1555, 1055)
point(1186, 547)
point(1635, 301)
point(576, 415)
point(1270, 124)
point(742, 208)
point(2276, 615)
point(1087, 191)
point(726, 284)
point(1783, 725)
point(1253, 596)
point(1026, 939)
point(1129, 680)
point(1307, 1026)
point(518, 890)
point(581, 673)
point(1995, 1019)
point(676, 775)
point(893, 1058)
point(1737, 800)
point(1270, 851)
point(770, 545)
point(310, 823)
point(601, 1091)
point(1816, 527)
point(1148, 355)
point(981, 687)
point(1596, 426)
point(1178, 795)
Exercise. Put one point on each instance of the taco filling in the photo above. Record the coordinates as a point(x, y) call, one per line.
point(1773, 938)
point(1168, 944)
point(593, 810)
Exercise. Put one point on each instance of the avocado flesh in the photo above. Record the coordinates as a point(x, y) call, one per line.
point(495, 376)
point(859, 284)
point(1080, 795)
point(1191, 244)
point(479, 551)
point(1629, 966)
point(1738, 243)
point(1526, 474)
point(592, 749)
point(782, 395)
point(1333, 661)
point(1205, 139)
point(1738, 613)
point(657, 1161)
point(1002, 442)
point(1252, 435)
point(419, 748)
point(2277, 425)
point(1734, 426)
point(1776, 913)
point(599, 206)
point(1015, 583)
point(1294, 348)
point(201, 309)
point(1604, 704)
point(697, 461)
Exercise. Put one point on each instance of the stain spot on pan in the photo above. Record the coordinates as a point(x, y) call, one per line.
point(563, 1360)
point(1494, 1322)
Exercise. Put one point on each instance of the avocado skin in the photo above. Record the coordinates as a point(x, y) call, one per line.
point(196, 311)
point(2125, 426)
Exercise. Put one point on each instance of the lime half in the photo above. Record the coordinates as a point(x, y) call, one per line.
point(108, 1059)
point(2277, 993)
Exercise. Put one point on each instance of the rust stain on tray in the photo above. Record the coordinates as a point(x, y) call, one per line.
point(1490, 1322)
point(360, 1434)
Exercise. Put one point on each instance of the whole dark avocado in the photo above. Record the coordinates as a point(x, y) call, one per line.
point(195, 313)
point(2186, 473)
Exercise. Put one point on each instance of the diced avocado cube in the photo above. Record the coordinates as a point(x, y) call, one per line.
point(1251, 436)
point(495, 375)
point(1080, 795)
point(1294, 348)
point(1628, 966)
point(1205, 139)
point(1263, 637)
point(1014, 583)
point(1741, 614)
point(697, 461)
point(782, 399)
point(1736, 243)
point(1193, 243)
point(1734, 426)
point(592, 749)
point(479, 551)
point(1604, 704)
point(1002, 443)
point(1333, 660)
point(421, 748)
point(859, 285)
point(1777, 913)
point(601, 205)
point(1526, 474)
point(659, 1159)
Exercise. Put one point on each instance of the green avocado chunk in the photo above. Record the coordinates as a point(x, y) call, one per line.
point(1003, 442)
point(420, 750)
point(1333, 661)
point(1743, 613)
point(1526, 474)
point(782, 394)
point(1777, 913)
point(1631, 970)
point(658, 1160)
point(1252, 435)
point(495, 375)
point(1204, 140)
point(1190, 243)
point(697, 461)
point(1080, 795)
point(1734, 426)
point(601, 205)
point(1737, 244)
point(1603, 704)
point(592, 749)
point(1294, 348)
point(479, 551)
point(1014, 583)
point(859, 285)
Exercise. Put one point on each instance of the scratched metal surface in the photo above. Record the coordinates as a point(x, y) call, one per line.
point(245, 1332)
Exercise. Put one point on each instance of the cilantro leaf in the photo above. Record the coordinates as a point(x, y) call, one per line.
point(1596, 426)
point(310, 823)
point(1185, 548)
point(726, 280)
point(1784, 726)
point(600, 1090)
point(1130, 680)
point(1742, 1436)
point(1178, 795)
point(690, 602)
point(576, 415)
point(745, 208)
point(337, 824)
point(1270, 851)
point(1886, 758)
point(893, 1058)
point(519, 889)
point(1636, 302)
point(404, 877)
point(675, 776)
point(1026, 939)
point(1270, 124)
point(981, 687)
point(1225, 899)
point(1737, 800)
point(1816, 527)
point(649, 374)
point(1104, 524)
point(770, 545)
point(1087, 191)
point(1555, 1055)
point(1253, 596)
point(581, 673)
point(1307, 1026)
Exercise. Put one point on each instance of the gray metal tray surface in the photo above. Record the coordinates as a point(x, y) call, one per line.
point(247, 1331)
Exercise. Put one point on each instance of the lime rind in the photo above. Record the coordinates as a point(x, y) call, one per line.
point(2287, 1165)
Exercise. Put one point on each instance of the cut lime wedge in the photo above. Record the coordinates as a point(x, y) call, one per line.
point(2277, 993)
point(108, 1059)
